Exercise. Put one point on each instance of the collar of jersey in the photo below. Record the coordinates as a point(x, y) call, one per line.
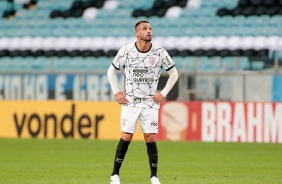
point(142, 51)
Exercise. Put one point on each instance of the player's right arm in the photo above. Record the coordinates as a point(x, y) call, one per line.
point(120, 97)
point(117, 63)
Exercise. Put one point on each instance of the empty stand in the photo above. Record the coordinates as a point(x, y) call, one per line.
point(207, 35)
point(253, 8)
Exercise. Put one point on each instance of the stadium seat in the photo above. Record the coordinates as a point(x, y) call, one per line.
point(278, 55)
point(244, 63)
point(257, 65)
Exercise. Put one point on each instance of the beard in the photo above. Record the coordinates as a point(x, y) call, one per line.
point(147, 39)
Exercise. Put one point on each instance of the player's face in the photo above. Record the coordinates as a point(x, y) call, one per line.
point(144, 32)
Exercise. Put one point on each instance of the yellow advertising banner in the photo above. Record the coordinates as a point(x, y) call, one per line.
point(61, 119)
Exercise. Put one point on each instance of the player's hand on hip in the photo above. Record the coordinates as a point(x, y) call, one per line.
point(120, 98)
point(158, 97)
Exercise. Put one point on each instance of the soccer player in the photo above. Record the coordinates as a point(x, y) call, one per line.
point(142, 62)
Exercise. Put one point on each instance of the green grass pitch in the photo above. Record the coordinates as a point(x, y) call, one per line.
point(68, 161)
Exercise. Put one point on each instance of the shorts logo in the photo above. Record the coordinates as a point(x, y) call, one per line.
point(123, 122)
point(154, 123)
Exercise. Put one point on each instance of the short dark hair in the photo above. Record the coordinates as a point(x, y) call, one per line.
point(141, 21)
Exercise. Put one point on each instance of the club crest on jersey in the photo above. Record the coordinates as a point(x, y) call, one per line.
point(152, 60)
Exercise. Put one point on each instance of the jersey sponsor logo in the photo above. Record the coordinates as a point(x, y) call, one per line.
point(131, 60)
point(168, 60)
point(139, 76)
point(143, 80)
point(137, 100)
point(140, 70)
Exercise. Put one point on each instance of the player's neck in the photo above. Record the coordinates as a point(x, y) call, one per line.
point(143, 46)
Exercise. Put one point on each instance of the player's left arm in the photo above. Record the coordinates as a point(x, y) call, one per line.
point(173, 76)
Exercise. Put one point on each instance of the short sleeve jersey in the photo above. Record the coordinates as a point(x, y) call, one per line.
point(142, 71)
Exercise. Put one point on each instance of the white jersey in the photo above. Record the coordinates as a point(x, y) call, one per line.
point(142, 72)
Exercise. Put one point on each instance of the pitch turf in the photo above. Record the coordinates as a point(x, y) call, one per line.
point(90, 161)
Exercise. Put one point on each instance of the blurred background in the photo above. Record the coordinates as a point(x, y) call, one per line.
point(224, 49)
